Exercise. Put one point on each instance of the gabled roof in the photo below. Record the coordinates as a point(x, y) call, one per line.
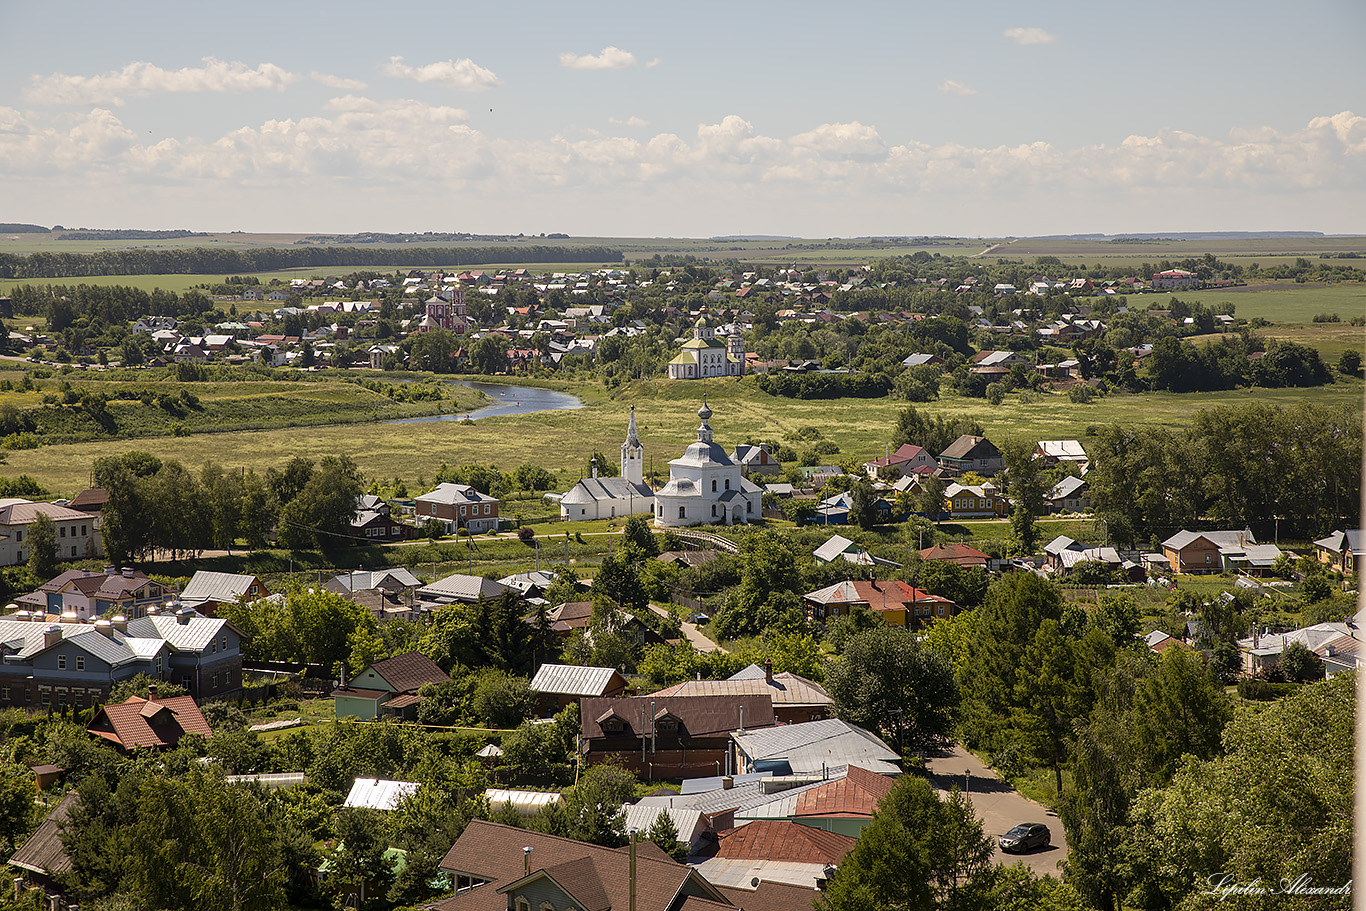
point(361, 580)
point(1220, 539)
point(781, 840)
point(495, 854)
point(192, 636)
point(44, 852)
point(220, 587)
point(574, 680)
point(455, 493)
point(592, 490)
point(18, 511)
point(409, 672)
point(142, 722)
point(961, 554)
point(812, 745)
point(1063, 450)
point(858, 793)
point(1352, 539)
point(458, 587)
point(877, 595)
point(971, 447)
point(833, 548)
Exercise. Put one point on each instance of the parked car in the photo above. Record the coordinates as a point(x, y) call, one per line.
point(700, 619)
point(1026, 837)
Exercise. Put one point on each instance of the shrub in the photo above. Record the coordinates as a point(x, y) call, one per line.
point(526, 535)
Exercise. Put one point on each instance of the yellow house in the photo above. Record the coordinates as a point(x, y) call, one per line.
point(976, 502)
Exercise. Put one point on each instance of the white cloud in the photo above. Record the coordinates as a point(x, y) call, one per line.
point(950, 87)
point(653, 63)
point(631, 121)
point(405, 148)
point(1031, 35)
point(142, 78)
point(611, 58)
point(337, 82)
point(462, 74)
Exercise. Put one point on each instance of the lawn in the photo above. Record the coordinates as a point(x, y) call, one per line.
point(666, 415)
point(1287, 303)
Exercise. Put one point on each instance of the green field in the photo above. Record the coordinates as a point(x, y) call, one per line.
point(1286, 303)
point(667, 420)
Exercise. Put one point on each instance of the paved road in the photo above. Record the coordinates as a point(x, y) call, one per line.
point(699, 641)
point(999, 805)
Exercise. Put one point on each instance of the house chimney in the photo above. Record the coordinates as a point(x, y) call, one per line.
point(183, 615)
point(120, 623)
point(727, 783)
point(128, 572)
point(52, 635)
point(111, 570)
point(104, 628)
point(152, 692)
point(22, 616)
point(526, 860)
point(768, 670)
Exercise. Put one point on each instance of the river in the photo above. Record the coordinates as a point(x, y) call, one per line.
point(506, 400)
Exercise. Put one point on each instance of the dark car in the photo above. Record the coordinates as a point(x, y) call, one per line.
point(1026, 837)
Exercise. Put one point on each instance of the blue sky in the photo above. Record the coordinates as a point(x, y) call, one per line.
point(990, 118)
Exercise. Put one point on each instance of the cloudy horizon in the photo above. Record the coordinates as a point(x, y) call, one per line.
point(1024, 126)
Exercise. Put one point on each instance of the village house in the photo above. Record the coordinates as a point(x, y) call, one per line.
point(908, 459)
point(374, 521)
point(964, 555)
point(897, 603)
point(706, 356)
point(77, 532)
point(388, 687)
point(559, 685)
point(977, 501)
point(84, 595)
point(811, 748)
point(207, 591)
point(755, 460)
point(1200, 552)
point(1342, 550)
point(459, 506)
point(971, 453)
point(670, 736)
point(795, 699)
point(156, 723)
point(1071, 494)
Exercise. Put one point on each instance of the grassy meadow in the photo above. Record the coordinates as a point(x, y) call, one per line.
point(666, 417)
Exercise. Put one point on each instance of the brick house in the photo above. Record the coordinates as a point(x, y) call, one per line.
point(669, 736)
point(459, 506)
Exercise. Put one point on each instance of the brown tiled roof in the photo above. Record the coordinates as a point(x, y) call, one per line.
point(353, 693)
point(145, 723)
point(90, 584)
point(783, 840)
point(697, 715)
point(494, 853)
point(962, 554)
point(409, 672)
point(856, 794)
point(44, 851)
point(574, 613)
point(580, 879)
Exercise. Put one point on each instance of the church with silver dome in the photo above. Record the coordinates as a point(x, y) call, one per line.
point(705, 486)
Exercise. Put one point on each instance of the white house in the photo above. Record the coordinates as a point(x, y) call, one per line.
point(706, 356)
point(706, 487)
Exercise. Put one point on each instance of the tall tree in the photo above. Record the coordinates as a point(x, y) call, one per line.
point(920, 853)
point(42, 548)
point(887, 682)
point(1024, 474)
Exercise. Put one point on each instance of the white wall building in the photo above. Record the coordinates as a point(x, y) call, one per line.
point(706, 355)
point(608, 498)
point(705, 486)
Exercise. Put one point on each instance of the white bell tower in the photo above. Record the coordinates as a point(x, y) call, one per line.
point(632, 454)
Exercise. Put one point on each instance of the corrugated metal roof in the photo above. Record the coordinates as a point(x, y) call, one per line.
point(379, 793)
point(811, 745)
point(688, 822)
point(741, 872)
point(462, 588)
point(193, 636)
point(212, 586)
point(572, 680)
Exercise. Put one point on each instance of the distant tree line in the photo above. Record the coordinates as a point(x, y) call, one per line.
point(202, 260)
point(1236, 465)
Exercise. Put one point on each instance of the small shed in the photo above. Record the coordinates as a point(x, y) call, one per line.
point(47, 775)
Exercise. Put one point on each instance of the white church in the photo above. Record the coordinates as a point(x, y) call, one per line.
point(705, 486)
point(608, 498)
point(705, 355)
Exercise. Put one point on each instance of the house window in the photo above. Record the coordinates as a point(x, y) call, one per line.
point(523, 904)
point(682, 512)
point(547, 906)
point(713, 485)
point(941, 610)
point(713, 510)
point(63, 531)
point(80, 662)
point(4, 693)
point(19, 536)
point(462, 510)
point(73, 550)
point(213, 647)
point(82, 531)
point(1209, 558)
point(158, 664)
point(187, 681)
point(488, 509)
point(727, 483)
point(61, 662)
point(749, 507)
point(223, 643)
